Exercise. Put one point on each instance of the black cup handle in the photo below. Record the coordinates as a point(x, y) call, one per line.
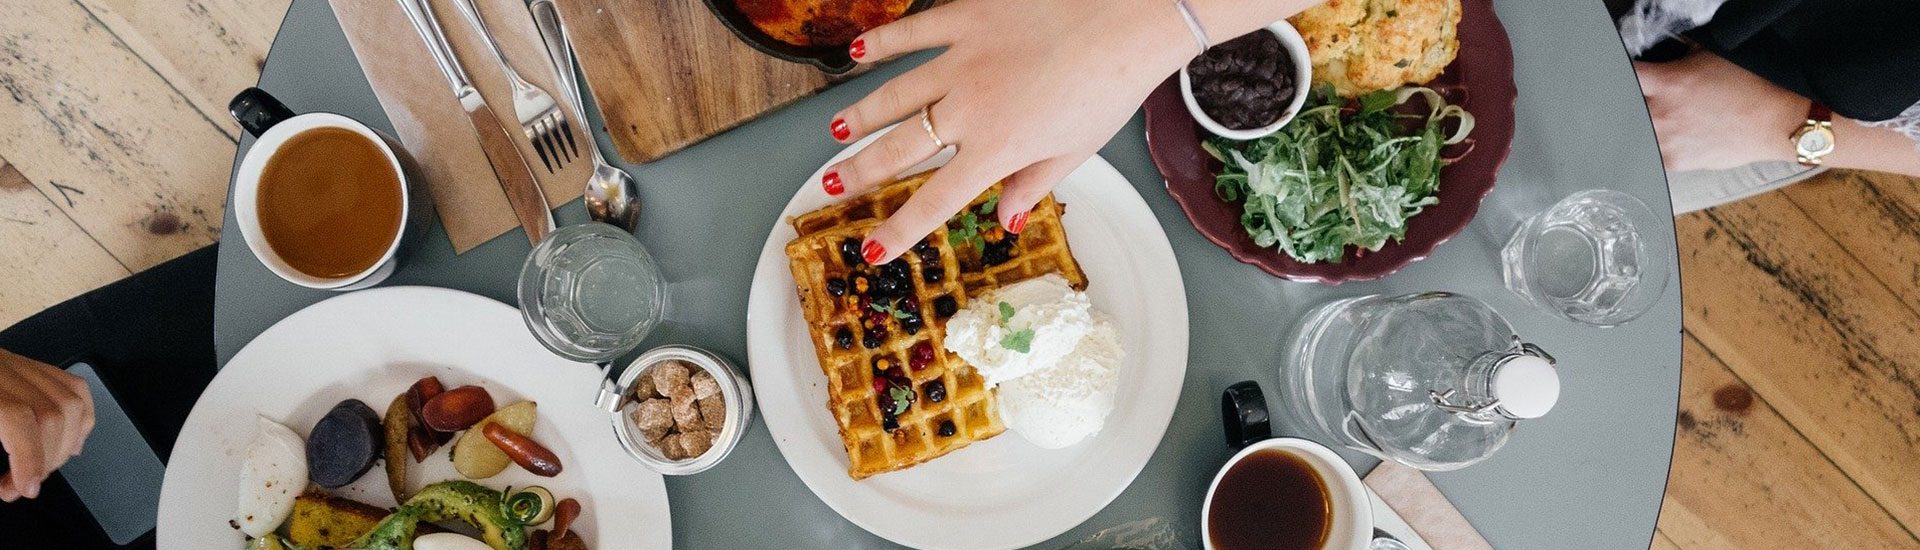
point(1243, 412)
point(257, 110)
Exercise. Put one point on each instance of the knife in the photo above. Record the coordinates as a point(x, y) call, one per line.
point(516, 176)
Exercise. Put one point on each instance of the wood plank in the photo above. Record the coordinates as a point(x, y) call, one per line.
point(38, 235)
point(105, 137)
point(1744, 478)
point(1818, 338)
point(207, 49)
point(1876, 217)
point(1661, 542)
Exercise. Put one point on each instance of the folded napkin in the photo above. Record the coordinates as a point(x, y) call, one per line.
point(1408, 492)
point(429, 121)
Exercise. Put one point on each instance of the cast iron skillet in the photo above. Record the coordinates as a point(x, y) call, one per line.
point(831, 59)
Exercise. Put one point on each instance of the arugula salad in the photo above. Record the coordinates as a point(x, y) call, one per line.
point(1342, 173)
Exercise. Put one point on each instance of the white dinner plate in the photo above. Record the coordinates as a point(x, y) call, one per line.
point(1003, 492)
point(371, 345)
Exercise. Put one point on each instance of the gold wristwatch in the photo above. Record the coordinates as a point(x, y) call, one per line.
point(1814, 140)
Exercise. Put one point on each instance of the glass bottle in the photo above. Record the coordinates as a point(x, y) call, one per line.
point(1434, 380)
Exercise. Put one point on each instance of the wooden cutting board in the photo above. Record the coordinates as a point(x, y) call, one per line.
point(667, 73)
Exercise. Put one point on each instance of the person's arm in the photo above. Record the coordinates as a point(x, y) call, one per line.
point(45, 415)
point(1863, 147)
point(1710, 114)
point(1027, 91)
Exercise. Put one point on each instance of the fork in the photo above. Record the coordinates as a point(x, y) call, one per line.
point(540, 116)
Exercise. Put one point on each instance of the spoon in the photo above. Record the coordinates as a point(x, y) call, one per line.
point(612, 196)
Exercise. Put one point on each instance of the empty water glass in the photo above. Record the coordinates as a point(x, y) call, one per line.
point(1588, 259)
point(590, 292)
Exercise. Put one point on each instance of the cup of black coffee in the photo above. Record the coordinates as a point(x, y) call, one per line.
point(1280, 493)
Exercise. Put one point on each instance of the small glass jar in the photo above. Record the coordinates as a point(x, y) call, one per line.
point(618, 400)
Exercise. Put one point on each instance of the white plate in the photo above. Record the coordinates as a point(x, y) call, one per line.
point(1003, 492)
point(371, 345)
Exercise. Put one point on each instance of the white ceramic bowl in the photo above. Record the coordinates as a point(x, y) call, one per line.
point(1352, 509)
point(1296, 48)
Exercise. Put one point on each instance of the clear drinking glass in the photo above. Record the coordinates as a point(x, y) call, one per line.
point(590, 292)
point(1587, 258)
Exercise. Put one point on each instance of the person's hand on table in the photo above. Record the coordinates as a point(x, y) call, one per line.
point(1026, 91)
point(1709, 114)
point(45, 415)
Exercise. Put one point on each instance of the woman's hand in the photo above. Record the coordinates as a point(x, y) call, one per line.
point(1026, 91)
point(45, 415)
point(1710, 114)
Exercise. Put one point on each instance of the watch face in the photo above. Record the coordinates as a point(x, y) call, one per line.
point(1814, 143)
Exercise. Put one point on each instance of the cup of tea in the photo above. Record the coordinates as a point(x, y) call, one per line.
point(321, 199)
point(1284, 493)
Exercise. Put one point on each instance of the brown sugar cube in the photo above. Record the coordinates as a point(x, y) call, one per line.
point(696, 442)
point(669, 376)
point(713, 411)
point(704, 386)
point(654, 417)
point(672, 447)
point(643, 388)
point(686, 412)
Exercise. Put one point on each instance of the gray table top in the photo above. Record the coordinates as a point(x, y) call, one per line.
point(1590, 475)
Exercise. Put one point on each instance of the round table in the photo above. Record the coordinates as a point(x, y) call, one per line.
point(1589, 475)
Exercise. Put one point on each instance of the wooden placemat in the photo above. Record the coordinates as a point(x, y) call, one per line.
point(429, 121)
point(667, 74)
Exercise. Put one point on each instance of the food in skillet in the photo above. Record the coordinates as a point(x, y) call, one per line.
point(1343, 173)
point(898, 395)
point(820, 22)
point(1360, 46)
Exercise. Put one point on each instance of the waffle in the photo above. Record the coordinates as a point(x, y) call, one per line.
point(858, 345)
point(1040, 248)
point(828, 249)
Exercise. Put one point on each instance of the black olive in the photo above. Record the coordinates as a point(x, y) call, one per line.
point(946, 428)
point(936, 391)
point(945, 306)
point(850, 252)
point(837, 286)
point(843, 339)
point(871, 340)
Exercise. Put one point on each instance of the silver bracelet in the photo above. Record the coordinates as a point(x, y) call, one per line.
point(1193, 24)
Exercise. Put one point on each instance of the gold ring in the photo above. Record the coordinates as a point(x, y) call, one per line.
point(926, 123)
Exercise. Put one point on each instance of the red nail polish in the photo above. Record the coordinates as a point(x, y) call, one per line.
point(872, 251)
point(840, 129)
point(858, 49)
point(832, 183)
point(1018, 223)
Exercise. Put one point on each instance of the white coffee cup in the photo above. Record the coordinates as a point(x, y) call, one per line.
point(1352, 511)
point(273, 125)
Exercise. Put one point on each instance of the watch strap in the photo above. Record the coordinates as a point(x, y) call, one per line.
point(1819, 113)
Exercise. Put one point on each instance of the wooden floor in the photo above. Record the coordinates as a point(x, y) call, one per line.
point(1800, 409)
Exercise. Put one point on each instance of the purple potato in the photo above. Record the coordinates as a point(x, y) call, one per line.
point(343, 445)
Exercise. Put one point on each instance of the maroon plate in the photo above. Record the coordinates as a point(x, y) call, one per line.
point(1484, 67)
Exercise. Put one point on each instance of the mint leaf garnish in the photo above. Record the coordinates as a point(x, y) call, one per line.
point(1006, 312)
point(993, 201)
point(1020, 341)
point(902, 398)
